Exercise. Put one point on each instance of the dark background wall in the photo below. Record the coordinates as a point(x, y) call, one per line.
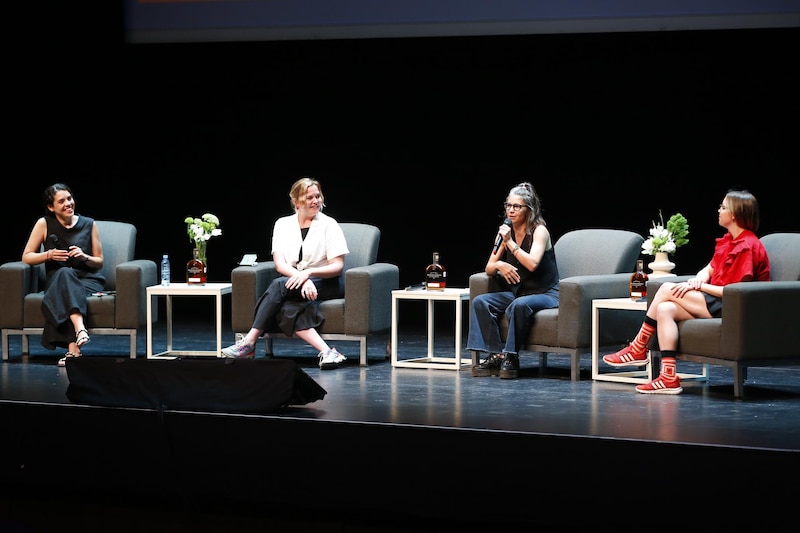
point(421, 136)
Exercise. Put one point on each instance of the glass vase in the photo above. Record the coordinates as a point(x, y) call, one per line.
point(201, 252)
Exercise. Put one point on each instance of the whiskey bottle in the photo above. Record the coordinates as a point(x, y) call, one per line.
point(639, 281)
point(195, 270)
point(435, 275)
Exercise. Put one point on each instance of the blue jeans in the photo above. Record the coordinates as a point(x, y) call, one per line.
point(489, 308)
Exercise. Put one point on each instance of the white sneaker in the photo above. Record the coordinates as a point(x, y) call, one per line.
point(240, 350)
point(331, 359)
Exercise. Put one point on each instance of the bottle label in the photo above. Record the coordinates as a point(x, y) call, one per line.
point(165, 272)
point(195, 274)
point(638, 289)
point(435, 280)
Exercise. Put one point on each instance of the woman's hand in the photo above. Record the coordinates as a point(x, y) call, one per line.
point(56, 254)
point(680, 289)
point(309, 290)
point(504, 231)
point(296, 280)
point(77, 253)
point(695, 283)
point(509, 272)
point(300, 281)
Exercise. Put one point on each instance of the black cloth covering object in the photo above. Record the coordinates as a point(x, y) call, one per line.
point(253, 386)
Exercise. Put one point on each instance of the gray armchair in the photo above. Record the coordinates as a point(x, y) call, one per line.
point(121, 311)
point(365, 309)
point(759, 323)
point(592, 263)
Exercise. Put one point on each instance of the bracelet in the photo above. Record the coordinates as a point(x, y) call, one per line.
point(515, 250)
point(48, 254)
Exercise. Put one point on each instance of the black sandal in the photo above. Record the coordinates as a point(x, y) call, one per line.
point(68, 355)
point(82, 337)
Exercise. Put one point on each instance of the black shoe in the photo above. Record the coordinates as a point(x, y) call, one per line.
point(489, 366)
point(510, 367)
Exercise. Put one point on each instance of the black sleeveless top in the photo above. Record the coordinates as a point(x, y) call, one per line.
point(544, 278)
point(62, 238)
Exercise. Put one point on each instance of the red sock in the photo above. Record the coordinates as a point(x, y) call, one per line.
point(639, 344)
point(668, 368)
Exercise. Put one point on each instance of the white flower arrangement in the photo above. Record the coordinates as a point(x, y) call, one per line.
point(200, 230)
point(667, 239)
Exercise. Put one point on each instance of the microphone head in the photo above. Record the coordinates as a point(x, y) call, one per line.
point(53, 237)
point(507, 222)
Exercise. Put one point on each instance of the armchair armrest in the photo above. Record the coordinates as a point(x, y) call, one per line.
point(133, 278)
point(575, 307)
point(16, 281)
point(759, 320)
point(481, 283)
point(248, 283)
point(368, 297)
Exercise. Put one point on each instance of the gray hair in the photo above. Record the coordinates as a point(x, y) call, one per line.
point(528, 194)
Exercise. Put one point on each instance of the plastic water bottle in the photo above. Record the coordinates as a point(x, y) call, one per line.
point(165, 270)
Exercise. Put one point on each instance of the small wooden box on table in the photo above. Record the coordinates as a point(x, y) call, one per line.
point(217, 290)
point(457, 296)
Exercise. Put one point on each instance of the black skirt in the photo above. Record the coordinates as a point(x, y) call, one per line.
point(67, 289)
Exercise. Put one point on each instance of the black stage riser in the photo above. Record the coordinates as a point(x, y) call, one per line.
point(280, 466)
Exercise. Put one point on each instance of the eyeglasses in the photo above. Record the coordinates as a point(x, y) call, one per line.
point(723, 207)
point(514, 207)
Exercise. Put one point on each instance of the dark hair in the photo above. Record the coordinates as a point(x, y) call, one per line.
point(744, 208)
point(49, 196)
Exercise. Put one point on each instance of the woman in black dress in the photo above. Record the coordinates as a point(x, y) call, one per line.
point(69, 246)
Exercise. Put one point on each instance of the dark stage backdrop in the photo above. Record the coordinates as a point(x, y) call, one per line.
point(422, 137)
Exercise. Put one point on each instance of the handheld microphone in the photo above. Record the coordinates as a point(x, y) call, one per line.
point(499, 239)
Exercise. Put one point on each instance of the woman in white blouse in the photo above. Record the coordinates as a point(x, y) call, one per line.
point(308, 248)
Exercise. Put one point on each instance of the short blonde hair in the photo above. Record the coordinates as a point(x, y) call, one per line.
point(300, 188)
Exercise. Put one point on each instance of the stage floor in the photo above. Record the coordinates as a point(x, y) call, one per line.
point(706, 413)
point(375, 409)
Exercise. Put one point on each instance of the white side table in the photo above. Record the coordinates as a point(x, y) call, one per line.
point(633, 376)
point(216, 290)
point(457, 296)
